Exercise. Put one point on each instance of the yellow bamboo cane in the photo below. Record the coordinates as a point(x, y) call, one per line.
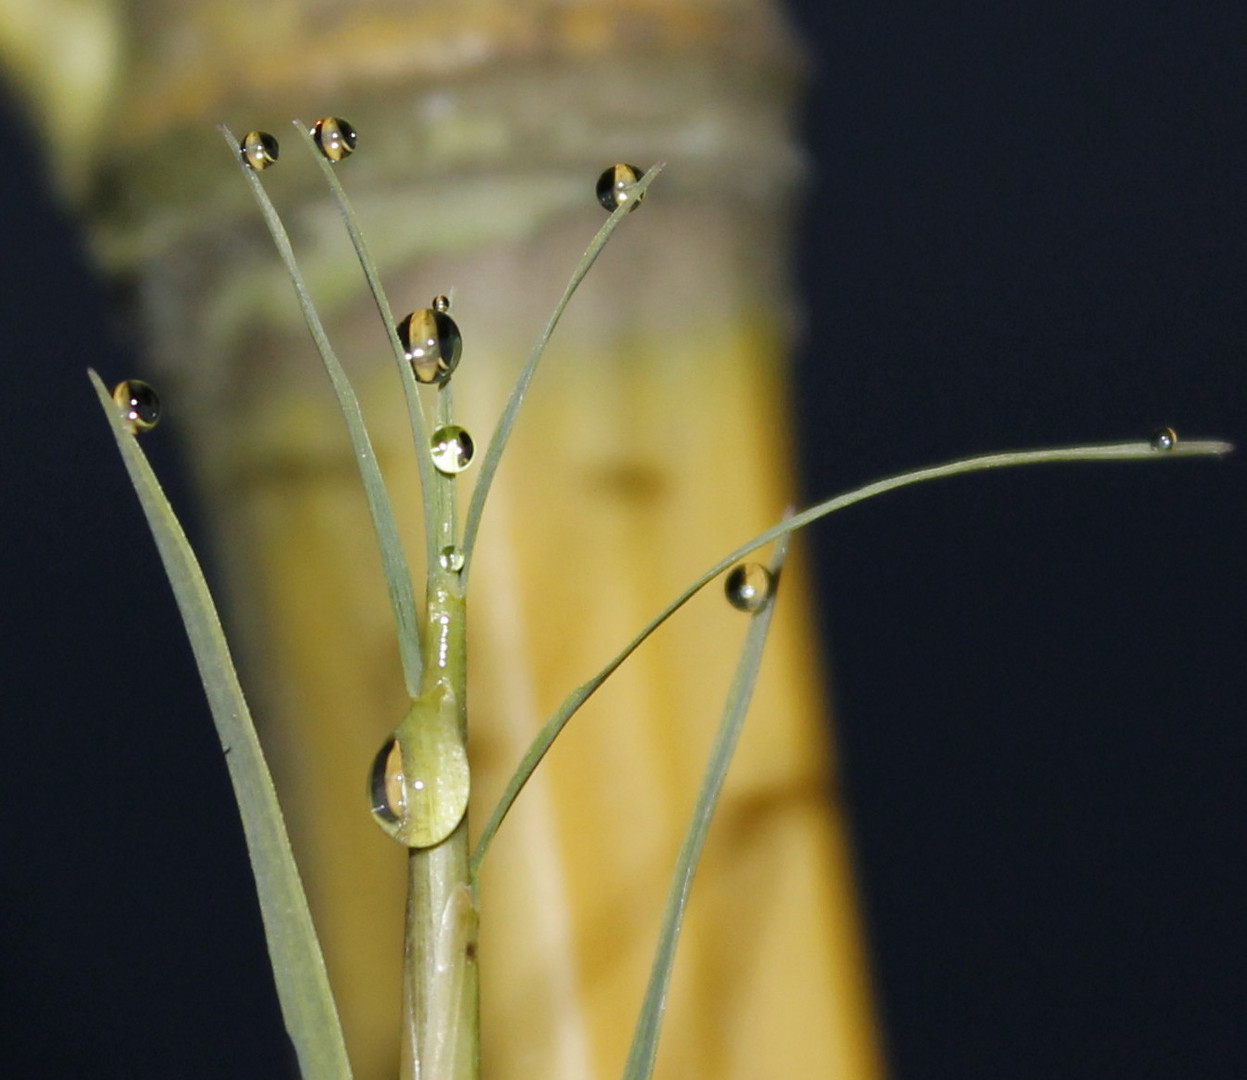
point(655, 438)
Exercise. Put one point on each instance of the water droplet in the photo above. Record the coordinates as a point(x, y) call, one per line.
point(140, 407)
point(441, 303)
point(1164, 439)
point(451, 558)
point(259, 149)
point(335, 137)
point(387, 786)
point(432, 343)
point(452, 450)
point(749, 586)
point(615, 186)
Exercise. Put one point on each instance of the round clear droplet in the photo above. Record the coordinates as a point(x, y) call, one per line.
point(441, 303)
point(432, 344)
point(748, 586)
point(1164, 439)
point(451, 558)
point(615, 187)
point(335, 137)
point(139, 404)
point(387, 787)
point(259, 149)
point(452, 450)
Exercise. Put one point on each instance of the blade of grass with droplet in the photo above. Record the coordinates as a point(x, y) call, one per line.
point(1132, 451)
point(298, 966)
point(644, 1049)
point(393, 562)
point(411, 388)
point(498, 442)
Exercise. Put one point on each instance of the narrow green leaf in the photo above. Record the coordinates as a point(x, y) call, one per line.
point(393, 562)
point(411, 388)
point(498, 442)
point(644, 1049)
point(1133, 451)
point(298, 967)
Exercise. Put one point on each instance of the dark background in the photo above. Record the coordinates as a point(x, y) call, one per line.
point(1025, 227)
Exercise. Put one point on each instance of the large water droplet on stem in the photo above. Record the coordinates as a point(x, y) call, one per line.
point(140, 407)
point(335, 137)
point(615, 187)
point(259, 149)
point(748, 586)
point(452, 449)
point(432, 343)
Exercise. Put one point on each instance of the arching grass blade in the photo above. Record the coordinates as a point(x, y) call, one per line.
point(393, 562)
point(298, 966)
point(1132, 451)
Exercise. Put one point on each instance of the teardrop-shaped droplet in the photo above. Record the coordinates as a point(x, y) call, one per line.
point(452, 450)
point(335, 137)
point(451, 558)
point(140, 407)
point(387, 786)
point(749, 586)
point(432, 343)
point(441, 303)
point(419, 781)
point(259, 149)
point(615, 187)
point(1164, 439)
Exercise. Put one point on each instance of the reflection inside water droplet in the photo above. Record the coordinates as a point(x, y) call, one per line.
point(1164, 439)
point(748, 586)
point(451, 558)
point(615, 186)
point(441, 303)
point(335, 137)
point(452, 449)
point(432, 343)
point(140, 407)
point(387, 786)
point(259, 149)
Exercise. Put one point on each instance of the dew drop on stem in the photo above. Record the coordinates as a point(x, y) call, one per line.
point(1164, 439)
point(450, 558)
point(139, 404)
point(259, 149)
point(452, 449)
point(432, 344)
point(748, 586)
point(615, 187)
point(335, 137)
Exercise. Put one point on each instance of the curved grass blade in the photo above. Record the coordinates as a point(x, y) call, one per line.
point(1132, 451)
point(644, 1049)
point(415, 411)
point(298, 967)
point(498, 442)
point(393, 562)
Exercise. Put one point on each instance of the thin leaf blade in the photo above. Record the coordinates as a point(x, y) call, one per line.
point(644, 1049)
point(298, 966)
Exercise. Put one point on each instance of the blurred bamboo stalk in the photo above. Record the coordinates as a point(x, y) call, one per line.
point(656, 437)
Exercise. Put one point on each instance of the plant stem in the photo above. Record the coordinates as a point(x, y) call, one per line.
point(441, 1014)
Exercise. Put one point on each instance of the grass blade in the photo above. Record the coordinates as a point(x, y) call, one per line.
point(498, 442)
point(393, 562)
point(1132, 451)
point(411, 391)
point(298, 967)
point(644, 1049)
